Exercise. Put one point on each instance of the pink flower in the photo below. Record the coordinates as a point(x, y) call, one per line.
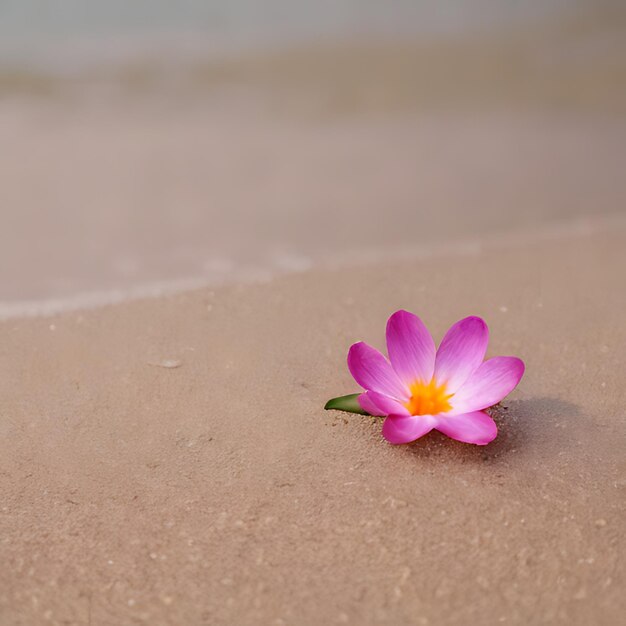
point(421, 388)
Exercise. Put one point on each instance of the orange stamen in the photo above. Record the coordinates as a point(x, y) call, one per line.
point(429, 399)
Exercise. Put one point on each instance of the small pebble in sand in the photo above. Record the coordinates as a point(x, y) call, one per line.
point(52, 327)
point(600, 523)
point(504, 309)
point(167, 363)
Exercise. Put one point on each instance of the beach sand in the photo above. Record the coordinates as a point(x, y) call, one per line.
point(219, 491)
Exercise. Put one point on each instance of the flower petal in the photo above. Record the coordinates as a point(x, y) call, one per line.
point(374, 373)
point(388, 405)
point(404, 429)
point(491, 382)
point(367, 404)
point(411, 348)
point(461, 352)
point(476, 427)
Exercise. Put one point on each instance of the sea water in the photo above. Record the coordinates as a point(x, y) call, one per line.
point(76, 32)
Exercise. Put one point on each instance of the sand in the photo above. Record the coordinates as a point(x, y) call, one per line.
point(219, 491)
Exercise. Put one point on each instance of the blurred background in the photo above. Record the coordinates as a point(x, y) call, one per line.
point(152, 145)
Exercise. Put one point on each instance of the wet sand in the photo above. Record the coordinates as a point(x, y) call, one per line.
point(222, 169)
point(136, 194)
point(220, 492)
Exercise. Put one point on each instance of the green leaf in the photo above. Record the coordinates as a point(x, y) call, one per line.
point(348, 403)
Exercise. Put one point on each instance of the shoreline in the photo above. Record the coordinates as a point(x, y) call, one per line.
point(576, 227)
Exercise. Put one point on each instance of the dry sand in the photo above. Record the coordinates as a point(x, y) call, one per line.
point(220, 491)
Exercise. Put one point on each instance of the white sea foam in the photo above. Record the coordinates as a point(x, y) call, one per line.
point(292, 264)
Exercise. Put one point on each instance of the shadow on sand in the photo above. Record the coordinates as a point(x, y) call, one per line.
point(521, 424)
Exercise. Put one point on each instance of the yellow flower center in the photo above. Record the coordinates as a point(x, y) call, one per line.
point(429, 399)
